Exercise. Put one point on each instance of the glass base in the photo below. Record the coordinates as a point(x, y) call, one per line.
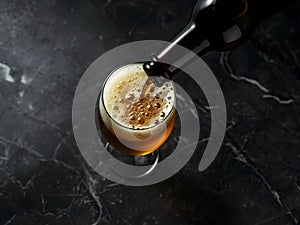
point(150, 159)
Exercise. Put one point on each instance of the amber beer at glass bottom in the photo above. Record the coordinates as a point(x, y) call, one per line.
point(132, 122)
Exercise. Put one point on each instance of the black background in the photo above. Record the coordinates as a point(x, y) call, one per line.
point(48, 44)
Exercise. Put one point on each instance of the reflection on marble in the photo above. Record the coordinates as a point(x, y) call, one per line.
point(45, 46)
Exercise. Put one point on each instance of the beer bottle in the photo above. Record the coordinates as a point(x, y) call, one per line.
point(217, 25)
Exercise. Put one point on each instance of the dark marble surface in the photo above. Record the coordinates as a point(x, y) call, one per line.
point(46, 45)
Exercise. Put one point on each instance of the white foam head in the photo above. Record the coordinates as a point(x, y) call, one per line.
point(138, 123)
point(121, 98)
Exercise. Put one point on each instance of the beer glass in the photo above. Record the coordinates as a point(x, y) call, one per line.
point(136, 117)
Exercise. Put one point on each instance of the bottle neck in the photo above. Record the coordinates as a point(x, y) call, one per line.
point(189, 38)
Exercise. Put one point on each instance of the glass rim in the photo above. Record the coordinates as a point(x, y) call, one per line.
point(110, 117)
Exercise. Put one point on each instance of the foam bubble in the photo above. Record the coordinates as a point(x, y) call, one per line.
point(130, 110)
